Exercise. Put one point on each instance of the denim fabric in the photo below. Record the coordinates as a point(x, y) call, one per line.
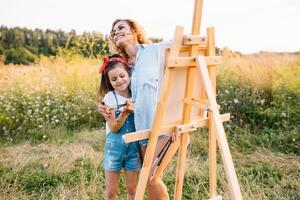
point(118, 154)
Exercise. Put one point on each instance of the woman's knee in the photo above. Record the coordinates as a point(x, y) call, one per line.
point(154, 182)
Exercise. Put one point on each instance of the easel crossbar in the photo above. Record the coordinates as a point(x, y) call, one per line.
point(171, 129)
point(195, 39)
point(191, 61)
point(196, 104)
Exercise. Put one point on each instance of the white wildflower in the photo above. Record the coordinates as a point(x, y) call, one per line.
point(48, 102)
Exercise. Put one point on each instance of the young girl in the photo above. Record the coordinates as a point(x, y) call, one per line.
point(115, 84)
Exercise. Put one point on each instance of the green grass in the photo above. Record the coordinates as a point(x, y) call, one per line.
point(262, 174)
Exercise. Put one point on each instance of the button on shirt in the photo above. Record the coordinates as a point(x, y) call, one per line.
point(145, 81)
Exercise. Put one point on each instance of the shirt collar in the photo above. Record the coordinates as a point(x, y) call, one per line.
point(142, 45)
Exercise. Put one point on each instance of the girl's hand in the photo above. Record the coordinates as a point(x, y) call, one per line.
point(129, 107)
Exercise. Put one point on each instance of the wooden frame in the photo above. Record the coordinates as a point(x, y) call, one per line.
point(196, 55)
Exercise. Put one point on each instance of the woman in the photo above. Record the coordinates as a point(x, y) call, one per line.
point(128, 39)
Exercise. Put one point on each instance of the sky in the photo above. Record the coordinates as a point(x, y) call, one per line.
point(247, 26)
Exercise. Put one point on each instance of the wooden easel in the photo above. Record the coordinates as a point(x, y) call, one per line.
point(197, 55)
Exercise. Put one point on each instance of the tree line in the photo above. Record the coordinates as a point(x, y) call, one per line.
point(24, 46)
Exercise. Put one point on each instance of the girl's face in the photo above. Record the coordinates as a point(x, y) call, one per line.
point(122, 33)
point(119, 78)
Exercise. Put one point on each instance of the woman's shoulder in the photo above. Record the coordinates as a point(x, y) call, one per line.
point(149, 50)
point(157, 44)
point(150, 46)
point(164, 45)
point(156, 47)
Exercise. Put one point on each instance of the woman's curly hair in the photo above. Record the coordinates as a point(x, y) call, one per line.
point(138, 31)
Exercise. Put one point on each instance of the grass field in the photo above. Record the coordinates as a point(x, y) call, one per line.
point(51, 134)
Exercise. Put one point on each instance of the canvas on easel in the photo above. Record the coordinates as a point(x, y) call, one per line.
point(187, 102)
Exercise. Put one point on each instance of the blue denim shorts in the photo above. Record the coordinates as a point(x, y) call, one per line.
point(118, 155)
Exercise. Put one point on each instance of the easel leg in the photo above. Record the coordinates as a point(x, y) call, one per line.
point(212, 158)
point(211, 126)
point(220, 133)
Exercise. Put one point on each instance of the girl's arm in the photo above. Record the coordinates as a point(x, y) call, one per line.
point(115, 124)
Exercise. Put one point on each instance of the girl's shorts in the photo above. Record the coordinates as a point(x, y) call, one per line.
point(119, 155)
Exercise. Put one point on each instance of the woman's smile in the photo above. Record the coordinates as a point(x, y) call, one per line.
point(119, 36)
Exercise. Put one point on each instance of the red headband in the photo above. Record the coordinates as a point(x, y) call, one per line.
point(107, 60)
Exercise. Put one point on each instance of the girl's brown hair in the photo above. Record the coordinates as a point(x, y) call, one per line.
point(105, 85)
point(135, 28)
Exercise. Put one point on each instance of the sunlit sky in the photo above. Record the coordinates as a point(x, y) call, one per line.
point(247, 26)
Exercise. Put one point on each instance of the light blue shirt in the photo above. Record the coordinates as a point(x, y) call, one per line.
point(146, 79)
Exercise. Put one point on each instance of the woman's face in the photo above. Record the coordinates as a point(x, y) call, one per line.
point(119, 78)
point(123, 34)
